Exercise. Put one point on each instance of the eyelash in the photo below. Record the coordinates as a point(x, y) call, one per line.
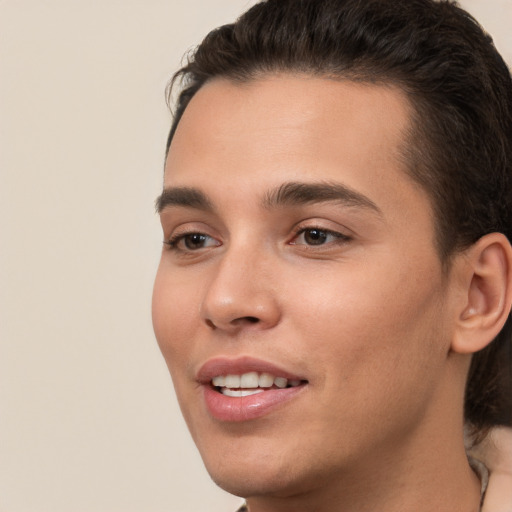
point(339, 238)
point(179, 237)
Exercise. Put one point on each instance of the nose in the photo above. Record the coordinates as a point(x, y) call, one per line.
point(241, 294)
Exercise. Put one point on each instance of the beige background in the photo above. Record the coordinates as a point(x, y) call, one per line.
point(88, 421)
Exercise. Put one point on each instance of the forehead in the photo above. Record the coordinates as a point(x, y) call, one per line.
point(252, 136)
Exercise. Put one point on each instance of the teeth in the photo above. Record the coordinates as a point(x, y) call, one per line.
point(280, 382)
point(250, 383)
point(249, 380)
point(266, 380)
point(232, 381)
point(219, 381)
point(241, 392)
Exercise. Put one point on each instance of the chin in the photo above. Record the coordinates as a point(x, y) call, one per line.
point(248, 482)
point(262, 469)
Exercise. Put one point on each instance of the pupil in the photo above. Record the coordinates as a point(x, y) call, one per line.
point(315, 237)
point(194, 241)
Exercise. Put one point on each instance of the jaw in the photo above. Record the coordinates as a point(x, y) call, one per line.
point(281, 457)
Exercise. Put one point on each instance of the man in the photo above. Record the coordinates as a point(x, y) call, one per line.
point(336, 212)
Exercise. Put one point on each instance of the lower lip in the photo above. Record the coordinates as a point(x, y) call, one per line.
point(244, 408)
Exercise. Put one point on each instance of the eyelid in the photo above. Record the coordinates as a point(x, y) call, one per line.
point(174, 240)
point(337, 239)
point(180, 232)
point(340, 234)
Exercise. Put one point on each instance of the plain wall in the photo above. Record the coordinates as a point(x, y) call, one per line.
point(88, 419)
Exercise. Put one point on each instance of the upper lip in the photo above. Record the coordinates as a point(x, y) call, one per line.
point(238, 366)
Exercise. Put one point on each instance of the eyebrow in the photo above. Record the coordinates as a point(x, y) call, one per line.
point(296, 194)
point(287, 194)
point(183, 196)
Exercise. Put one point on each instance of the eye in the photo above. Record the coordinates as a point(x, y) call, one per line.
point(318, 236)
point(191, 242)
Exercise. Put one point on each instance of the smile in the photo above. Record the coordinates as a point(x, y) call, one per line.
point(251, 383)
point(246, 389)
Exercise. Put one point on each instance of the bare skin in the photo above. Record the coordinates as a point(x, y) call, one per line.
point(348, 293)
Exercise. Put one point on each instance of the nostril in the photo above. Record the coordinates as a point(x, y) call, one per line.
point(244, 320)
point(234, 324)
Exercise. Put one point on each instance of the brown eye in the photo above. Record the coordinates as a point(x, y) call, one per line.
point(191, 242)
point(195, 241)
point(315, 236)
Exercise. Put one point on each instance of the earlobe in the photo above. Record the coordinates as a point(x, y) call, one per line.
point(488, 294)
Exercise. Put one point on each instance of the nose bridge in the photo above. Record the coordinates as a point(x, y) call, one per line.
point(241, 291)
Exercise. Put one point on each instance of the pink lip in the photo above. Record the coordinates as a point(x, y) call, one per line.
point(238, 366)
point(237, 409)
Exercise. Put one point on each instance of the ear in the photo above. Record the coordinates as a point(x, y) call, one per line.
point(487, 293)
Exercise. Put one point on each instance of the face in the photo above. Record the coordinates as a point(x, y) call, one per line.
point(300, 303)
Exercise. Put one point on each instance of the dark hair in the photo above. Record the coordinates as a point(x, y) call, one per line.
point(460, 145)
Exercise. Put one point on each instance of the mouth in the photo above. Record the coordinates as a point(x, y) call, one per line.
point(246, 388)
point(251, 383)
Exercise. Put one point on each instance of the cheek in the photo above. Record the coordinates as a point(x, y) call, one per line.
point(365, 322)
point(173, 307)
point(370, 346)
point(175, 321)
